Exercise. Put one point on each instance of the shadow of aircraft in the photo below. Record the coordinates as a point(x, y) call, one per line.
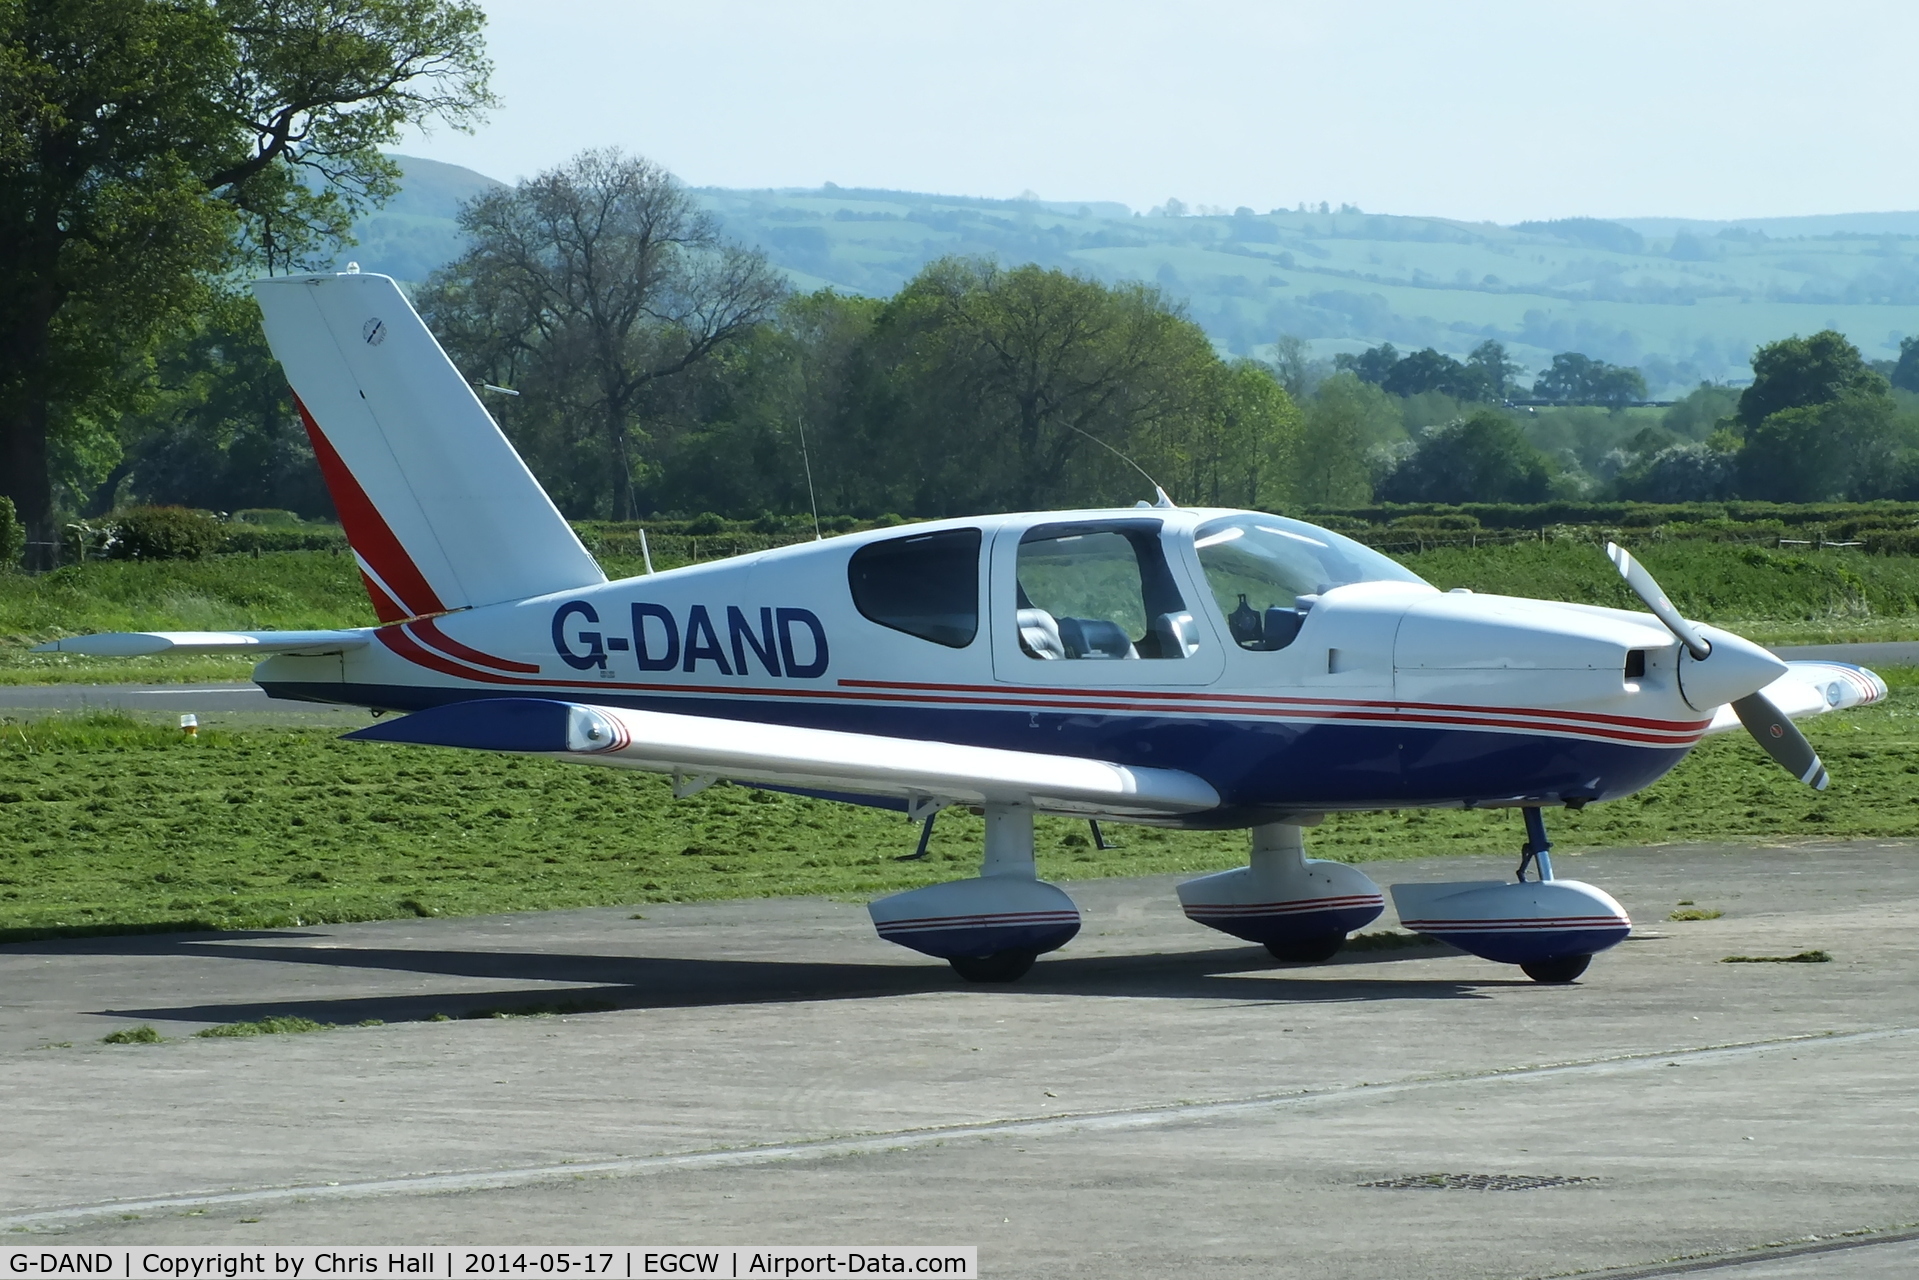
point(595, 983)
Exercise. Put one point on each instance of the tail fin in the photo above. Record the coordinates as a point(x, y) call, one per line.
point(441, 512)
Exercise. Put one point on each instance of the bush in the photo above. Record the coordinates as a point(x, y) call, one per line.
point(165, 533)
point(271, 517)
point(244, 538)
point(13, 537)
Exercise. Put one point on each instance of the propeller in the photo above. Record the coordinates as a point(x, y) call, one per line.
point(1776, 735)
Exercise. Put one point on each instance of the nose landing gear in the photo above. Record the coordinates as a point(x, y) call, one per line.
point(1550, 928)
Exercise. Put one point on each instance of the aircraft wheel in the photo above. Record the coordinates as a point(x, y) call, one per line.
point(1557, 969)
point(1001, 966)
point(1308, 950)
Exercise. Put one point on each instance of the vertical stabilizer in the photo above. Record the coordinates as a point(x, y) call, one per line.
point(441, 512)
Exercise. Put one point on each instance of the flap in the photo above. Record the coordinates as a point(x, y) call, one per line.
point(137, 644)
point(745, 751)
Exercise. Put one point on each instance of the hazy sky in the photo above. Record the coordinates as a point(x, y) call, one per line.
point(1480, 109)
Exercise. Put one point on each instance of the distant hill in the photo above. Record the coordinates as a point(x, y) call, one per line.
point(1683, 300)
point(418, 230)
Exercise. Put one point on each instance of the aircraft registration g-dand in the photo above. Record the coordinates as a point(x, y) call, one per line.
point(1153, 664)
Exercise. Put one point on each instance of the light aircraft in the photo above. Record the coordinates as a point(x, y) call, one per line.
point(1157, 664)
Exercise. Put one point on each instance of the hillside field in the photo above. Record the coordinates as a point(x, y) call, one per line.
point(1685, 301)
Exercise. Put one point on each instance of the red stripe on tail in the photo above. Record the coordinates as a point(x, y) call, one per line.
point(367, 531)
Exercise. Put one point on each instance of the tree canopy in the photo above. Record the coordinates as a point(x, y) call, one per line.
point(1797, 373)
point(587, 286)
point(148, 150)
point(1575, 377)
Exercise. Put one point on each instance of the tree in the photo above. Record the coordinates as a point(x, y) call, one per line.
point(1580, 379)
point(146, 149)
point(1797, 373)
point(1905, 374)
point(1244, 450)
point(1341, 422)
point(1373, 365)
point(1483, 458)
point(1845, 448)
point(597, 281)
point(1428, 370)
point(1699, 414)
point(217, 430)
point(795, 411)
point(1497, 374)
point(1011, 381)
point(1294, 366)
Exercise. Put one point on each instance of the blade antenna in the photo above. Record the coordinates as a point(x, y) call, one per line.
point(1159, 492)
point(807, 458)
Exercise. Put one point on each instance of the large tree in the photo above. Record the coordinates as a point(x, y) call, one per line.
point(1020, 385)
point(150, 149)
point(1798, 373)
point(1484, 458)
point(594, 283)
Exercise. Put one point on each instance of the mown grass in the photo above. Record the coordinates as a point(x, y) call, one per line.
point(280, 590)
point(1770, 595)
point(112, 825)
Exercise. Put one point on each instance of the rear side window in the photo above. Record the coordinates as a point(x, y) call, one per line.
point(926, 585)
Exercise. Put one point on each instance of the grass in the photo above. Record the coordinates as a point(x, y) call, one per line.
point(1803, 957)
point(1772, 596)
point(270, 1026)
point(142, 1034)
point(1696, 913)
point(280, 590)
point(112, 825)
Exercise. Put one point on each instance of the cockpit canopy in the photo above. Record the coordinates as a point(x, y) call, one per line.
point(1265, 572)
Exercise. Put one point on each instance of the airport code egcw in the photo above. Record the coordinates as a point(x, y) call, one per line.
point(736, 1262)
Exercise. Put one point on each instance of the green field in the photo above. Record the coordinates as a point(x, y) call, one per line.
point(1772, 596)
point(109, 825)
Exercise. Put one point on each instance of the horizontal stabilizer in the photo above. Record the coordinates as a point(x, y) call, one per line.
point(1810, 689)
point(138, 644)
point(867, 764)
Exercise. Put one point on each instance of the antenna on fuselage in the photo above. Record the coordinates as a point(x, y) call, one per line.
point(1159, 493)
point(810, 495)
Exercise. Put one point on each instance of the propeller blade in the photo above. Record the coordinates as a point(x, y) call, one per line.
point(1781, 739)
point(1648, 590)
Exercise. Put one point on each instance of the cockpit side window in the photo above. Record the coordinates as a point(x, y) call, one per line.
point(1265, 572)
point(1100, 592)
point(926, 585)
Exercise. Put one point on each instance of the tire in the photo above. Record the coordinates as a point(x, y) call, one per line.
point(1559, 969)
point(1316, 950)
point(1001, 966)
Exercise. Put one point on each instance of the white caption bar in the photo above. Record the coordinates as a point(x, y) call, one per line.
point(737, 1262)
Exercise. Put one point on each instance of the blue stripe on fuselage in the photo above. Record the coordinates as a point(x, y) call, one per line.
point(1252, 763)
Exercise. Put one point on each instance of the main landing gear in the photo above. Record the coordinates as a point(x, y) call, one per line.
point(993, 927)
point(1300, 909)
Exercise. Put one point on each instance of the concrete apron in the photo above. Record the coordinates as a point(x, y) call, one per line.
point(1153, 1096)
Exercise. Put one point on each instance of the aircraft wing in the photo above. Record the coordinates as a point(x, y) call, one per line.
point(708, 747)
point(135, 644)
point(1810, 689)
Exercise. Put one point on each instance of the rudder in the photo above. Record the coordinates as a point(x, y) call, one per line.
point(441, 512)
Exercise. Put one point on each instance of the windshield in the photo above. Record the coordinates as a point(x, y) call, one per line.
point(1254, 563)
